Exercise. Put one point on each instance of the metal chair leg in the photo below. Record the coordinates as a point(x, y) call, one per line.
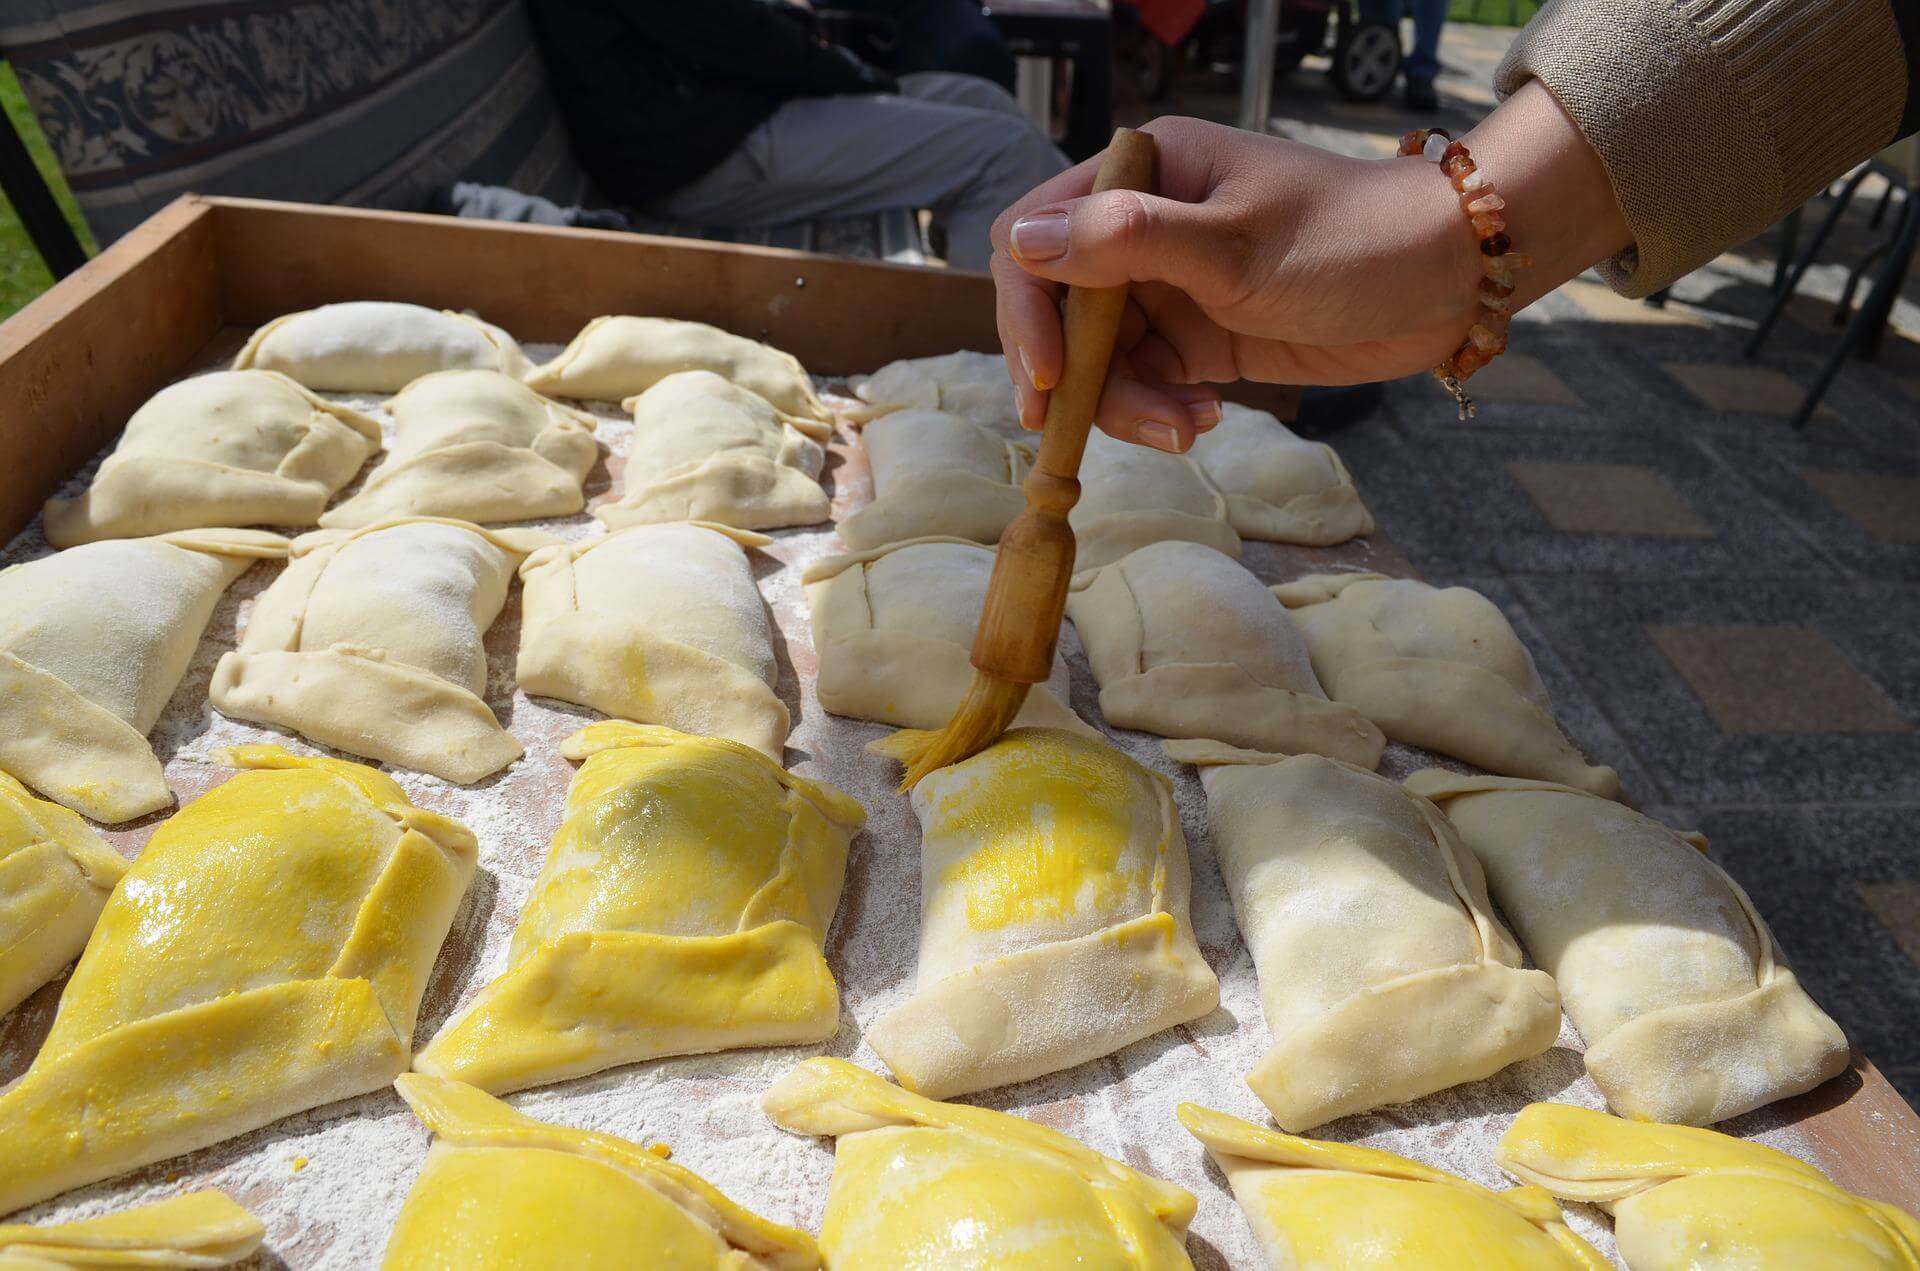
point(1789, 244)
point(1800, 266)
point(1863, 330)
point(39, 211)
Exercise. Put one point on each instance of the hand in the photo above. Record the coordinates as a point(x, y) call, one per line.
point(1265, 259)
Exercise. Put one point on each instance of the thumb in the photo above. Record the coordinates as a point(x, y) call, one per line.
point(1103, 240)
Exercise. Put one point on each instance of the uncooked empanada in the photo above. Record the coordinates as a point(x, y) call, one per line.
point(614, 358)
point(371, 642)
point(682, 909)
point(198, 1229)
point(265, 954)
point(936, 475)
point(377, 346)
point(893, 630)
point(230, 448)
point(55, 874)
point(1131, 496)
point(93, 641)
point(501, 1190)
point(923, 1184)
point(1439, 668)
point(705, 449)
point(1187, 642)
point(1367, 920)
point(479, 446)
point(660, 624)
point(1664, 966)
point(1280, 487)
point(973, 386)
point(1053, 916)
point(1313, 1205)
point(1684, 1199)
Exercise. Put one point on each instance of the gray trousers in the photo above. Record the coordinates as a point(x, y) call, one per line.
point(953, 144)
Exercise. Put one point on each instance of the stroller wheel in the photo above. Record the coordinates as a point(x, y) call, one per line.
point(1366, 60)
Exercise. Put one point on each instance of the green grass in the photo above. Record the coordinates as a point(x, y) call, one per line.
point(1494, 12)
point(22, 275)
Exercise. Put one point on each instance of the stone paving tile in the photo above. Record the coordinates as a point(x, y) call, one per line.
point(1777, 468)
point(1776, 680)
point(1599, 627)
point(1604, 304)
point(1887, 507)
point(1606, 498)
point(1728, 387)
point(1897, 906)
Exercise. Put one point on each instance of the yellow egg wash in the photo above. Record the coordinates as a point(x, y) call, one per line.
point(1052, 815)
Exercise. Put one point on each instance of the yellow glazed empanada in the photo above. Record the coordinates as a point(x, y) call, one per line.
point(1279, 487)
point(372, 642)
point(1439, 668)
point(974, 386)
point(1053, 916)
point(93, 641)
point(377, 346)
point(923, 1184)
point(230, 448)
point(1665, 968)
point(682, 909)
point(705, 449)
point(1186, 642)
point(936, 475)
point(614, 358)
point(1383, 973)
point(55, 874)
point(1315, 1205)
point(660, 624)
point(198, 1229)
point(501, 1190)
point(478, 446)
point(892, 629)
point(266, 954)
point(1686, 1199)
point(1131, 496)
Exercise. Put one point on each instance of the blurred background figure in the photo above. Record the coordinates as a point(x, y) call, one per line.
point(1423, 59)
point(743, 112)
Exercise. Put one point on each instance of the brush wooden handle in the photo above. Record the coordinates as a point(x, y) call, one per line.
point(1027, 596)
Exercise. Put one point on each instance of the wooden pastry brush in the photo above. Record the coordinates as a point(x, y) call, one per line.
point(1027, 595)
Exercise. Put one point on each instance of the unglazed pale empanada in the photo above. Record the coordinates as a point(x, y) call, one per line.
point(377, 346)
point(1383, 973)
point(893, 631)
point(936, 475)
point(1280, 487)
point(682, 909)
point(93, 641)
point(1319, 1205)
point(1053, 916)
point(503, 1191)
point(1187, 642)
point(1684, 1199)
point(1439, 668)
point(615, 358)
point(705, 449)
point(479, 446)
point(973, 386)
point(1665, 968)
point(1131, 496)
point(230, 448)
point(920, 1184)
point(371, 642)
point(660, 624)
point(55, 874)
point(265, 954)
point(199, 1229)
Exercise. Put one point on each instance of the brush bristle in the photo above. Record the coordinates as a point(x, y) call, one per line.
point(983, 714)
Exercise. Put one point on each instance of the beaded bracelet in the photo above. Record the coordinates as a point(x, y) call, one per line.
point(1487, 337)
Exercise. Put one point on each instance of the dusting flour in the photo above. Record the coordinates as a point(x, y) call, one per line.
point(361, 1156)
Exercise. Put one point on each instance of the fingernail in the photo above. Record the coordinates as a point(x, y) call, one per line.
point(1041, 237)
point(1151, 432)
point(1033, 377)
point(1204, 414)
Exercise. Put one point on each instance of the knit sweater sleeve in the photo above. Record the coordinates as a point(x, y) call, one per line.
point(1714, 118)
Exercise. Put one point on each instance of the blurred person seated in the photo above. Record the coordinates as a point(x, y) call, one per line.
point(740, 113)
point(907, 36)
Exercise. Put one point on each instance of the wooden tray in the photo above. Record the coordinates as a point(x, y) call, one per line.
point(176, 292)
